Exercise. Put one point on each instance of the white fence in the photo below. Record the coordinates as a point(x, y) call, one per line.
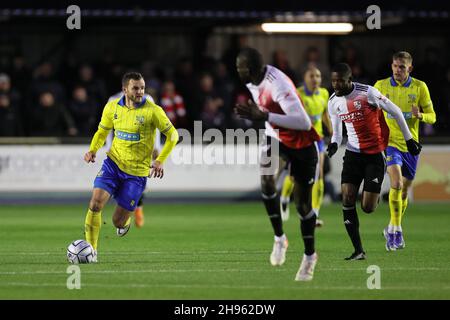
point(60, 168)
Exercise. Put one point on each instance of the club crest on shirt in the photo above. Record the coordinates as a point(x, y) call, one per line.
point(140, 120)
point(357, 104)
point(412, 98)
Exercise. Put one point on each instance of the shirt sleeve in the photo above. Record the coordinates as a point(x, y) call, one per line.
point(295, 116)
point(106, 121)
point(164, 125)
point(428, 114)
point(376, 99)
point(105, 126)
point(336, 123)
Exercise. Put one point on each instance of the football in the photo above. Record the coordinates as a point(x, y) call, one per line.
point(80, 251)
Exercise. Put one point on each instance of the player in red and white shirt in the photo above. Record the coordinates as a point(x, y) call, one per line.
point(360, 107)
point(276, 102)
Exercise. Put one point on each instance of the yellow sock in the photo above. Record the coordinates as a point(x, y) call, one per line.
point(317, 195)
point(404, 205)
point(92, 227)
point(395, 206)
point(288, 187)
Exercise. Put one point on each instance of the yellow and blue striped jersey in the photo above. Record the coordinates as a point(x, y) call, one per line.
point(315, 104)
point(411, 93)
point(134, 134)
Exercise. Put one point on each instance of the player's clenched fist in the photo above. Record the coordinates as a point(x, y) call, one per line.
point(89, 156)
point(332, 148)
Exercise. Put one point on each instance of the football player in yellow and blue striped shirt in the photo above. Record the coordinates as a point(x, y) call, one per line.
point(413, 98)
point(315, 101)
point(124, 173)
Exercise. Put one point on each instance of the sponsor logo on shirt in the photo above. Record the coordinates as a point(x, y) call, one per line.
point(352, 116)
point(127, 136)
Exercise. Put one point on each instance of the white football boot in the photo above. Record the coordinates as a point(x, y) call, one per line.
point(306, 270)
point(278, 255)
point(123, 231)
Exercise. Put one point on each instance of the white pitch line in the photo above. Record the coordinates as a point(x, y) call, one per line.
point(6, 273)
point(6, 253)
point(215, 286)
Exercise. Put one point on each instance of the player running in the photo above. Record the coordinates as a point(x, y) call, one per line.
point(359, 107)
point(278, 104)
point(413, 98)
point(139, 212)
point(315, 101)
point(124, 173)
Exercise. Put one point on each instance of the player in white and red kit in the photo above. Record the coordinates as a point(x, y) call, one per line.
point(276, 102)
point(360, 107)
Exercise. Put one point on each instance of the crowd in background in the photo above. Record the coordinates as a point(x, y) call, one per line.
point(67, 98)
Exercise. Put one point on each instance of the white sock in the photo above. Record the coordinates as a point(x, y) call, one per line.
point(391, 228)
point(311, 257)
point(281, 238)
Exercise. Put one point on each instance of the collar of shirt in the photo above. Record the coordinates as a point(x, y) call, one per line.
point(309, 93)
point(395, 83)
point(123, 104)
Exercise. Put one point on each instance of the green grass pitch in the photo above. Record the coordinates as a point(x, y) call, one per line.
point(219, 251)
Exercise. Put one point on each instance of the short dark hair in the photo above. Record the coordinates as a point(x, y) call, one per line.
point(403, 55)
point(131, 76)
point(254, 59)
point(343, 69)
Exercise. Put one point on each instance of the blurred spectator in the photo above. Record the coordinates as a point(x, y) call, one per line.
point(225, 88)
point(95, 87)
point(185, 82)
point(83, 111)
point(20, 74)
point(150, 77)
point(280, 61)
point(13, 99)
point(210, 104)
point(173, 105)
point(45, 81)
point(313, 59)
point(11, 125)
point(5, 88)
point(431, 70)
point(353, 59)
point(50, 118)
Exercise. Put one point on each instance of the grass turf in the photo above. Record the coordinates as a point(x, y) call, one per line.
point(219, 251)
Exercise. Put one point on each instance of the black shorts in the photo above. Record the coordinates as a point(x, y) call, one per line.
point(303, 163)
point(368, 167)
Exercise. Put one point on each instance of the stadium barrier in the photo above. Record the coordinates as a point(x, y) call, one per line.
point(60, 168)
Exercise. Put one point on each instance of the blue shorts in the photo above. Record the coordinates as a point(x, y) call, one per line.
point(125, 188)
point(405, 160)
point(321, 145)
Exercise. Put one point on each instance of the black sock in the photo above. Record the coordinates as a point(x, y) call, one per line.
point(307, 226)
point(351, 223)
point(272, 204)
